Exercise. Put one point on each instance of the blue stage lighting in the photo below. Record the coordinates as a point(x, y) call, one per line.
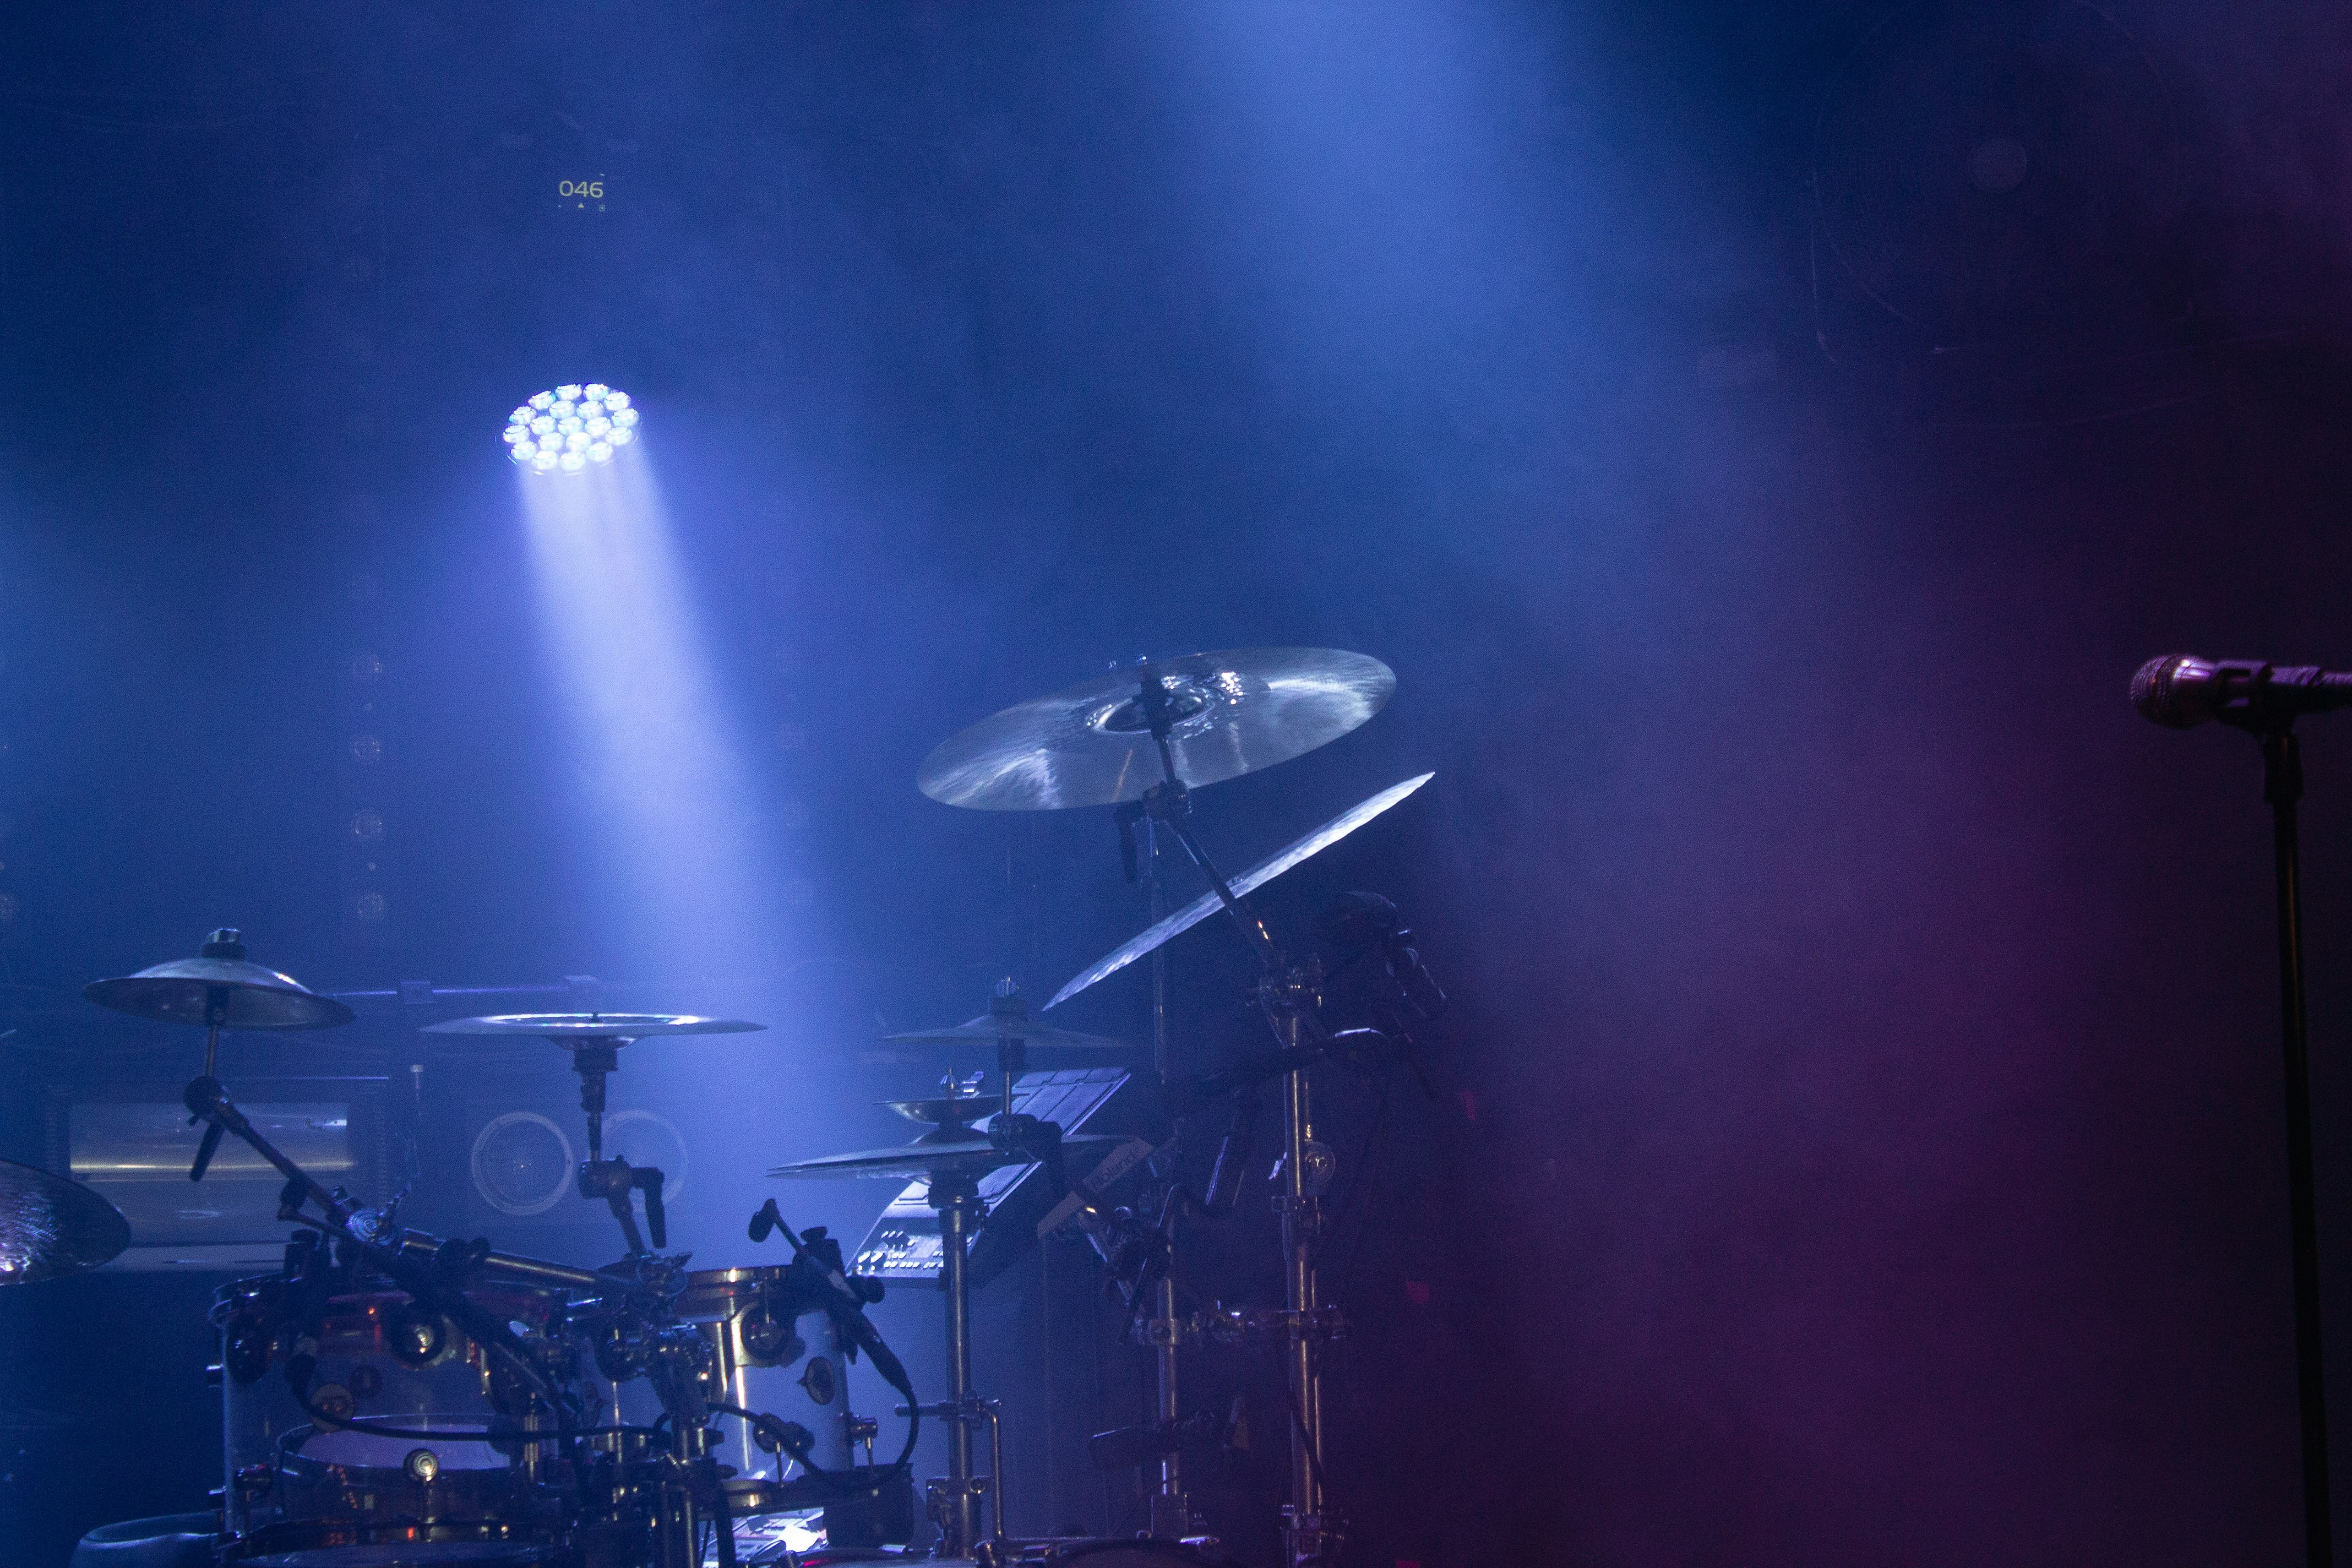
point(563, 430)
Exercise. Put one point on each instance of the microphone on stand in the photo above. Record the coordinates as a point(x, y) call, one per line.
point(2181, 690)
point(1353, 922)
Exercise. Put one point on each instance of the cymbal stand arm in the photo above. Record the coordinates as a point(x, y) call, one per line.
point(207, 1101)
point(593, 1060)
point(1169, 802)
point(215, 1014)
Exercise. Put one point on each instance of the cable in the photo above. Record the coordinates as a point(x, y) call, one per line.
point(846, 1479)
point(1307, 1439)
point(1367, 1160)
point(370, 1426)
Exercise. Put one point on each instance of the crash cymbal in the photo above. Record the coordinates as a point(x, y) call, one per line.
point(990, 1028)
point(246, 996)
point(1231, 712)
point(570, 1029)
point(1257, 876)
point(943, 1161)
point(49, 1226)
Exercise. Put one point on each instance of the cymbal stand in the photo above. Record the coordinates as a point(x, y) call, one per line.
point(954, 1500)
point(215, 1015)
point(1162, 1332)
point(615, 1180)
point(1287, 994)
point(1170, 1516)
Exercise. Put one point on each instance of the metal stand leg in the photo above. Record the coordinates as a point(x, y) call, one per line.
point(2283, 787)
point(1170, 1516)
point(1302, 1220)
point(955, 1501)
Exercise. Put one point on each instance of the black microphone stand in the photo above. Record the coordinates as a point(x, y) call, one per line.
point(2283, 787)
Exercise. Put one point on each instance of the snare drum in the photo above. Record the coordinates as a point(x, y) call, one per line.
point(765, 1362)
point(419, 1468)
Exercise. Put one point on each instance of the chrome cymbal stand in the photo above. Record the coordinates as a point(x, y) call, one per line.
point(1288, 994)
point(954, 1500)
point(1170, 1517)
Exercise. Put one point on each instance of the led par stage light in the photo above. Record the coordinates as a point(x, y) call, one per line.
point(565, 430)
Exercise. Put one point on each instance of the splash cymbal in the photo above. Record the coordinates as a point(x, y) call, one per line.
point(954, 1111)
point(1230, 713)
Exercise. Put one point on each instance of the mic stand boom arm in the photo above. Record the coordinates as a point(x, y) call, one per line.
point(436, 1286)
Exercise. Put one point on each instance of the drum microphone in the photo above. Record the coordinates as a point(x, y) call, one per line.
point(1353, 922)
point(2181, 691)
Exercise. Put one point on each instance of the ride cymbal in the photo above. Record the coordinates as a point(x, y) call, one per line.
point(1228, 713)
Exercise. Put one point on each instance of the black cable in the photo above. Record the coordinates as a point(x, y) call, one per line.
point(1367, 1158)
point(1307, 1439)
point(368, 1426)
point(847, 1479)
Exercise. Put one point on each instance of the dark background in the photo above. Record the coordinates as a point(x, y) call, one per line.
point(1859, 1137)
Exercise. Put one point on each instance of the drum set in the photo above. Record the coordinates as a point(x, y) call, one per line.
point(390, 1396)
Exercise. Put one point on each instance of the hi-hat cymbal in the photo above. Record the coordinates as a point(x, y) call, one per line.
point(990, 1028)
point(1231, 712)
point(570, 1029)
point(949, 1161)
point(1257, 876)
point(955, 1111)
point(245, 995)
point(49, 1226)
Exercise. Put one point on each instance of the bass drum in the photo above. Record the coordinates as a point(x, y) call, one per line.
point(767, 1361)
point(415, 1476)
